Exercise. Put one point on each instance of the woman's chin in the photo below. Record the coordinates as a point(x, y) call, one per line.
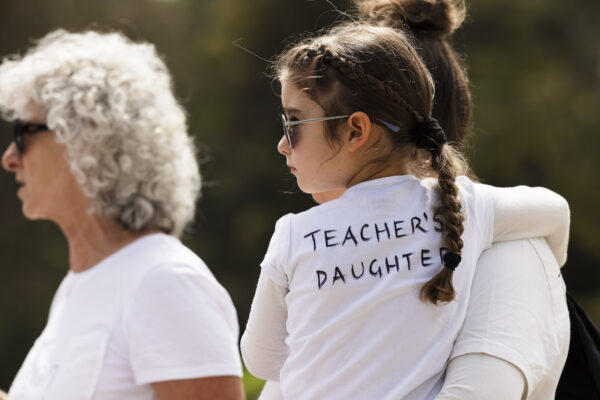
point(29, 215)
point(30, 212)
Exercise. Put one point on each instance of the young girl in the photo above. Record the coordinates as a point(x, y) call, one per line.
point(357, 297)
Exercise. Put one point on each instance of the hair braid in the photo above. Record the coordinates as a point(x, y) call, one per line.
point(444, 161)
point(354, 72)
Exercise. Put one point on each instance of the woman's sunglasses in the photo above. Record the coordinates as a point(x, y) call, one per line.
point(20, 129)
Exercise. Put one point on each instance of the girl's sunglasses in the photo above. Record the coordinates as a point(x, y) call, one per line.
point(288, 131)
point(20, 129)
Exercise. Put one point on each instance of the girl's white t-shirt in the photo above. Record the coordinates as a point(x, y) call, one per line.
point(150, 312)
point(515, 334)
point(354, 268)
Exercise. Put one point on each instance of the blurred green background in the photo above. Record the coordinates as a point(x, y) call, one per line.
point(535, 72)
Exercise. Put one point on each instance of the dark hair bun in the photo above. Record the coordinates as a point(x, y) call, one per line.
point(438, 18)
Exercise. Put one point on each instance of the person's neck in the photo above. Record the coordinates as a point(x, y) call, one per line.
point(375, 172)
point(379, 159)
point(92, 238)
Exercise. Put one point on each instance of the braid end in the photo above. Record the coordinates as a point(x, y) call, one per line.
point(439, 288)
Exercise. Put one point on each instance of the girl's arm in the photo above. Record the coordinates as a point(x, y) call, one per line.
point(523, 212)
point(263, 343)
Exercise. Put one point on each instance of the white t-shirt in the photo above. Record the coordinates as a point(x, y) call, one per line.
point(150, 312)
point(518, 312)
point(354, 268)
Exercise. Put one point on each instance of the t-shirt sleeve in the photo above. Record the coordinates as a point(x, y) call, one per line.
point(277, 255)
point(477, 376)
point(524, 212)
point(517, 311)
point(263, 343)
point(181, 325)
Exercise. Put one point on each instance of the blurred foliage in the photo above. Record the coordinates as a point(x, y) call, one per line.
point(535, 74)
point(252, 385)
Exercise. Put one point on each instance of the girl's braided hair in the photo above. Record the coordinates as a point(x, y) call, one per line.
point(376, 69)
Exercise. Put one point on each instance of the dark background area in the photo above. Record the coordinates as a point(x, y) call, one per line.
point(535, 72)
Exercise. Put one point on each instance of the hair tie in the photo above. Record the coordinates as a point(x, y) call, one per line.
point(428, 134)
point(451, 260)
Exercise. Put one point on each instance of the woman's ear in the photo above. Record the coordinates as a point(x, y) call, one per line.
point(359, 130)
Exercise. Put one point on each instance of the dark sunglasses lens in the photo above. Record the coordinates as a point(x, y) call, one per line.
point(288, 136)
point(18, 135)
point(286, 130)
point(20, 142)
point(20, 130)
point(283, 125)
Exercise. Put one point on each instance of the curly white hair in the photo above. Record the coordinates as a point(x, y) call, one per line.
point(111, 102)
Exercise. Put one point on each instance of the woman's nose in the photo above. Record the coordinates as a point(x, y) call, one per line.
point(283, 147)
point(11, 158)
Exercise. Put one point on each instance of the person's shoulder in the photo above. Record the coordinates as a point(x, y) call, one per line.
point(161, 258)
point(472, 191)
point(182, 274)
point(467, 184)
point(161, 248)
point(173, 276)
point(312, 211)
point(315, 213)
point(173, 258)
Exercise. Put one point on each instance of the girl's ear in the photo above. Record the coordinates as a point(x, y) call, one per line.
point(359, 130)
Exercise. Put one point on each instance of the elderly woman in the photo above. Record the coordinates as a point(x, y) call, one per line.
point(101, 149)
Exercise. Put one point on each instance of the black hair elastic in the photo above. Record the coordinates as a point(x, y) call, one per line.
point(428, 134)
point(451, 260)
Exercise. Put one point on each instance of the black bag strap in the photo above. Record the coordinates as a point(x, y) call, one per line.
point(580, 378)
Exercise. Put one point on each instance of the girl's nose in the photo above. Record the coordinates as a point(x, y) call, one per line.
point(283, 147)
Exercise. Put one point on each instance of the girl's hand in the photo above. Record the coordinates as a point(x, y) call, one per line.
point(3, 395)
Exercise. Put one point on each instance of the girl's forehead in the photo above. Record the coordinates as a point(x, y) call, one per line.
point(296, 99)
point(292, 94)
